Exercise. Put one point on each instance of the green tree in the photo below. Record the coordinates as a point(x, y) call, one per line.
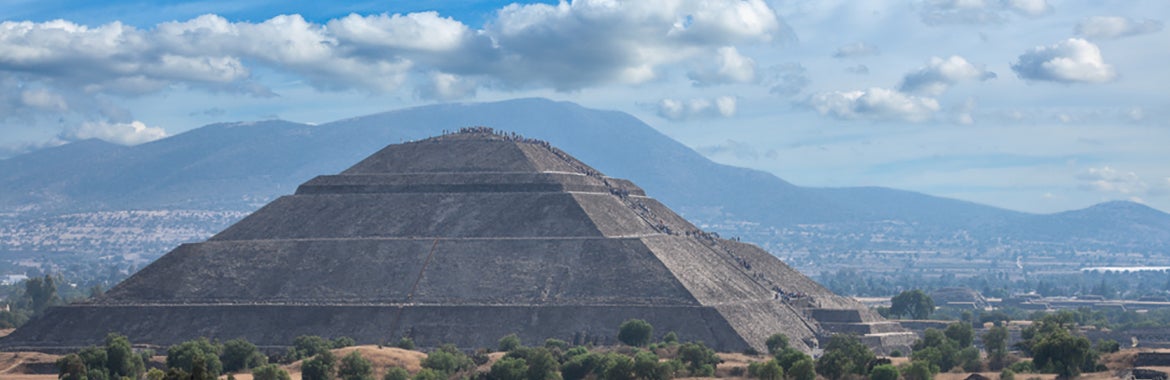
point(803, 369)
point(121, 359)
point(70, 367)
point(343, 342)
point(1007, 374)
point(155, 374)
point(320, 367)
point(269, 372)
point(310, 345)
point(355, 367)
point(509, 342)
point(429, 374)
point(240, 354)
point(995, 341)
point(919, 370)
point(776, 343)
point(540, 361)
point(884, 372)
point(1063, 353)
point(41, 292)
point(196, 353)
point(912, 303)
point(961, 333)
point(95, 360)
point(619, 367)
point(396, 373)
point(405, 343)
point(845, 354)
point(670, 338)
point(509, 369)
point(699, 359)
point(635, 332)
point(789, 356)
point(447, 360)
point(771, 370)
point(646, 366)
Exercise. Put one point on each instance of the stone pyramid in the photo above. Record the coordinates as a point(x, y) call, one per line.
point(462, 239)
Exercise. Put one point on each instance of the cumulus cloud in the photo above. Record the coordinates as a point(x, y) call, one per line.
point(131, 133)
point(1108, 180)
point(1112, 27)
point(1070, 61)
point(874, 104)
point(683, 110)
point(940, 74)
point(856, 50)
point(939, 12)
point(730, 67)
point(443, 86)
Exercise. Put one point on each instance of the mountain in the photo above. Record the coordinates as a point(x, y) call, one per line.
point(239, 166)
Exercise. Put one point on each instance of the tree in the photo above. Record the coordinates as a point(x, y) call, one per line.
point(776, 343)
point(310, 345)
point(912, 303)
point(447, 360)
point(355, 367)
point(635, 332)
point(1063, 353)
point(771, 370)
point(70, 367)
point(428, 374)
point(240, 354)
point(884, 372)
point(343, 342)
point(540, 361)
point(646, 366)
point(196, 353)
point(995, 343)
point(699, 359)
point(919, 370)
point(320, 367)
point(789, 356)
point(121, 359)
point(509, 342)
point(405, 343)
point(803, 369)
point(845, 354)
point(396, 373)
point(961, 333)
point(269, 372)
point(155, 374)
point(509, 369)
point(670, 338)
point(41, 293)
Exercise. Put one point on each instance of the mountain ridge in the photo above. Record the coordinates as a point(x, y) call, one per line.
point(241, 165)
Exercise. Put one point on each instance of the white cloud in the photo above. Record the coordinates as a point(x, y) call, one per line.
point(856, 50)
point(424, 31)
point(683, 110)
point(787, 79)
point(1070, 61)
point(1109, 180)
point(131, 133)
point(730, 67)
point(443, 86)
point(874, 104)
point(940, 74)
point(937, 12)
point(1111, 27)
point(44, 100)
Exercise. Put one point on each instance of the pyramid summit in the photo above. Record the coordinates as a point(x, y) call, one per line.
point(462, 238)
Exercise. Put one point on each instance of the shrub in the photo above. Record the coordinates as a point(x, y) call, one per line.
point(320, 367)
point(884, 372)
point(919, 370)
point(269, 372)
point(405, 343)
point(670, 338)
point(447, 360)
point(509, 369)
point(70, 367)
point(355, 367)
point(635, 332)
point(697, 357)
point(429, 374)
point(509, 342)
point(776, 343)
point(803, 369)
point(193, 354)
point(770, 371)
point(310, 345)
point(343, 342)
point(396, 373)
point(240, 354)
point(1007, 374)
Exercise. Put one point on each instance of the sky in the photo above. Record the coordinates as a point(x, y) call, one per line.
point(1032, 105)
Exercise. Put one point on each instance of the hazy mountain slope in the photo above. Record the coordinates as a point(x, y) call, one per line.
point(241, 165)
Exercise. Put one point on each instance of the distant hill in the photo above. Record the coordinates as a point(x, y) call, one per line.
point(240, 166)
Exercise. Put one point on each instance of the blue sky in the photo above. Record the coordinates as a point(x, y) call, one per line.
point(1033, 105)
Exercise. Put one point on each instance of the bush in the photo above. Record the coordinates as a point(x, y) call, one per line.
point(788, 356)
point(198, 354)
point(803, 369)
point(509, 369)
point(919, 370)
point(770, 370)
point(884, 372)
point(776, 343)
point(269, 372)
point(307, 346)
point(1007, 374)
point(343, 342)
point(429, 374)
point(396, 373)
point(1108, 346)
point(557, 344)
point(121, 359)
point(70, 367)
point(697, 357)
point(509, 342)
point(155, 374)
point(240, 354)
point(320, 367)
point(845, 354)
point(405, 343)
point(1024, 366)
point(355, 367)
point(635, 332)
point(670, 338)
point(447, 360)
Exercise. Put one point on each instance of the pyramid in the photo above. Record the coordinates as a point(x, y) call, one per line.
point(462, 238)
